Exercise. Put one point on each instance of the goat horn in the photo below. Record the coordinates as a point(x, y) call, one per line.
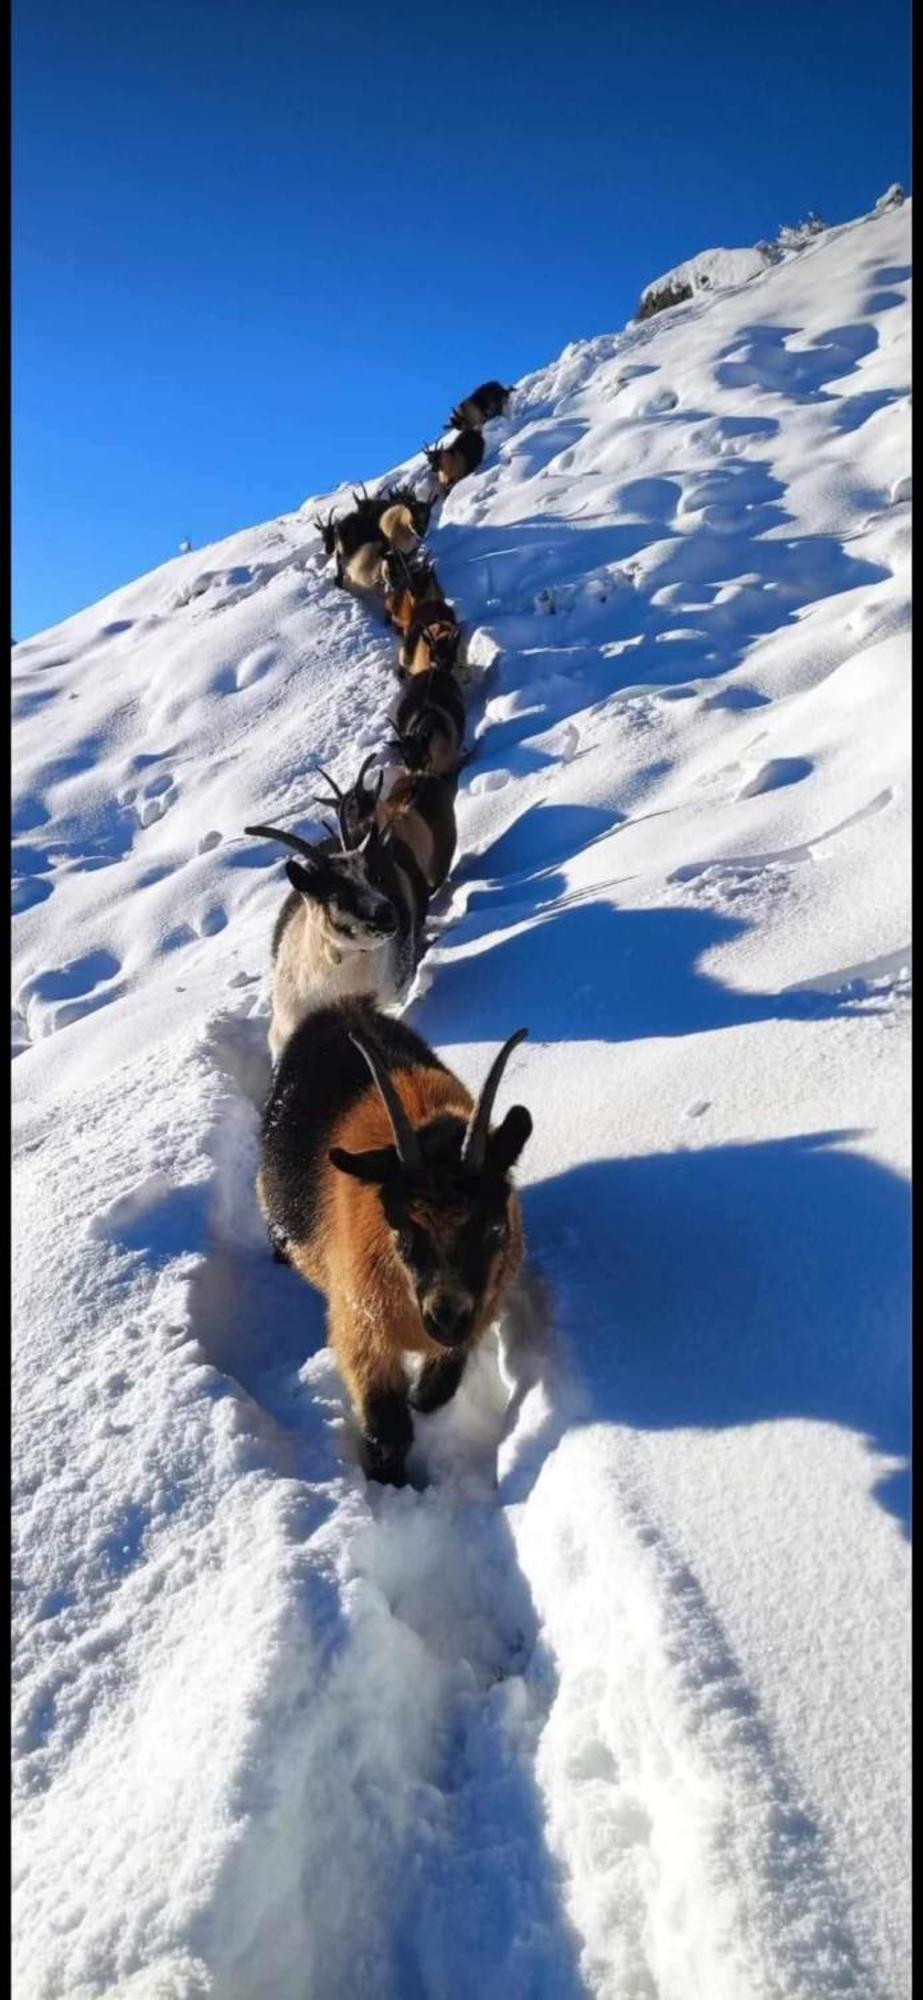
point(288, 839)
point(334, 787)
point(360, 784)
point(405, 1138)
point(475, 1143)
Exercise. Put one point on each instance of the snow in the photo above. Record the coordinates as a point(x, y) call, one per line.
point(618, 1703)
point(709, 271)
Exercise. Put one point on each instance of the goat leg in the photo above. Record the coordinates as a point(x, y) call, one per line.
point(437, 1382)
point(387, 1435)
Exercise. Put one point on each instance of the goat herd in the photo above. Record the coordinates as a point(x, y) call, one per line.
point(380, 1180)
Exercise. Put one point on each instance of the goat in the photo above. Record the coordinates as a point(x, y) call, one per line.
point(473, 412)
point(363, 570)
point(451, 462)
point(352, 923)
point(419, 508)
point(407, 584)
point(429, 724)
point(432, 639)
point(396, 524)
point(383, 1185)
point(419, 811)
point(327, 531)
point(355, 808)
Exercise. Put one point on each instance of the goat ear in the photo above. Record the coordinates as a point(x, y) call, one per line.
point(506, 1143)
point(379, 1168)
point(308, 881)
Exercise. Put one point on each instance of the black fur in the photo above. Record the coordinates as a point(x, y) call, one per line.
point(356, 529)
point(491, 399)
point(434, 689)
point(387, 1436)
point(471, 446)
point(396, 872)
point(436, 1383)
point(319, 1076)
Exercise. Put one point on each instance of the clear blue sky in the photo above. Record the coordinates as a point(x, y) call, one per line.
point(262, 247)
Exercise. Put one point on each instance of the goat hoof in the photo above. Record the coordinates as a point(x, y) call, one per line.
point(386, 1468)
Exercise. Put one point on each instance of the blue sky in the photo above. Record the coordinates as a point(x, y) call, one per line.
point(261, 248)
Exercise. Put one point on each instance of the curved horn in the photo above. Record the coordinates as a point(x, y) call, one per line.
point(475, 1142)
point(288, 839)
point(360, 784)
point(405, 1138)
point(334, 787)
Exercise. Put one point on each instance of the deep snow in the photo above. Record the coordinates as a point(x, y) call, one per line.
point(618, 1704)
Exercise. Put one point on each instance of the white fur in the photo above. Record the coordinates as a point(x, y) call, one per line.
point(313, 968)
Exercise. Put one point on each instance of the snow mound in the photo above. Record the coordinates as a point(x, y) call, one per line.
point(710, 271)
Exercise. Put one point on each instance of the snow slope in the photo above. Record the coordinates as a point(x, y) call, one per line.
point(617, 1705)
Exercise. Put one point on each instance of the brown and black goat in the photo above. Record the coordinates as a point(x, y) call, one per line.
point(429, 724)
point(453, 461)
point(408, 583)
point(417, 812)
point(383, 1185)
point(488, 400)
point(431, 640)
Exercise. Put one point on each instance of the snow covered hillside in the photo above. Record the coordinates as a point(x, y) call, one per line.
point(617, 1705)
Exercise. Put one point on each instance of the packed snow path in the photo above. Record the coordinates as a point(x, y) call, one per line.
point(617, 1705)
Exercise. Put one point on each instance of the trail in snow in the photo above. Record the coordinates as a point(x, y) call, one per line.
point(616, 1704)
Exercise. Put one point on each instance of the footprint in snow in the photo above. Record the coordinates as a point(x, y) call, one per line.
point(62, 994)
point(737, 699)
point(152, 799)
point(254, 665)
point(209, 841)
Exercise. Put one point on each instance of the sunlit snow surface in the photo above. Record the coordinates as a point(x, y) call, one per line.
point(618, 1704)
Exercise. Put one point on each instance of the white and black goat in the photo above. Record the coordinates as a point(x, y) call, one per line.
point(353, 923)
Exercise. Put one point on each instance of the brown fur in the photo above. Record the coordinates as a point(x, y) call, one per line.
point(403, 604)
point(431, 839)
point(433, 618)
point(451, 467)
point(373, 1318)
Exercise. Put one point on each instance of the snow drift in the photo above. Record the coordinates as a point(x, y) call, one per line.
point(617, 1705)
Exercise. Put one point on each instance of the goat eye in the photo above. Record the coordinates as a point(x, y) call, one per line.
point(497, 1232)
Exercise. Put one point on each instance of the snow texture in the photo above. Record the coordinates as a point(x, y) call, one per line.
point(710, 271)
point(615, 1705)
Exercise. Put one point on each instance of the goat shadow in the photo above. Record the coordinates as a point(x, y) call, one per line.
point(589, 972)
point(738, 1284)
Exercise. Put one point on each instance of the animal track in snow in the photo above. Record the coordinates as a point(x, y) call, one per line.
point(737, 699)
point(51, 1000)
point(488, 781)
point(254, 665)
point(153, 799)
point(209, 841)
